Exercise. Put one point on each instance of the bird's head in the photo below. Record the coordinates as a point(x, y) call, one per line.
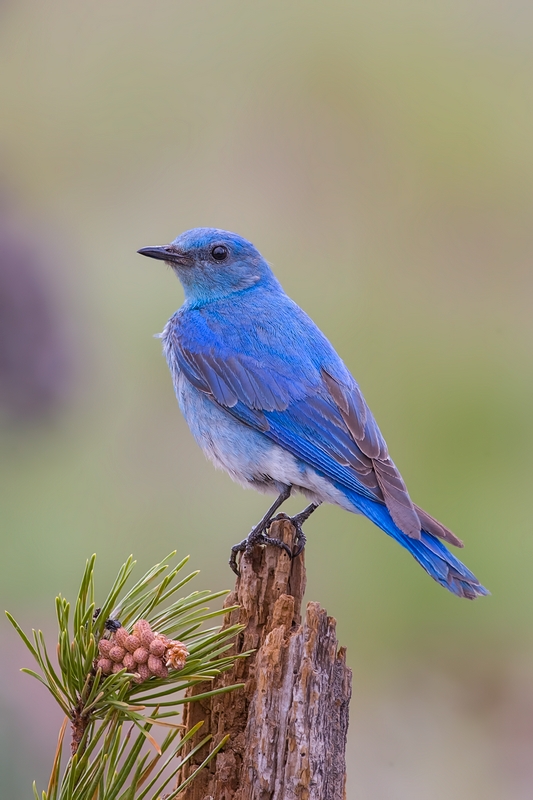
point(212, 263)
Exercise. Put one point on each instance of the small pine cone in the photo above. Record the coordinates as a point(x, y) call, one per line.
point(144, 672)
point(176, 654)
point(143, 630)
point(117, 668)
point(117, 653)
point(132, 643)
point(104, 646)
point(121, 636)
point(156, 667)
point(158, 645)
point(130, 663)
point(106, 665)
point(141, 655)
point(137, 678)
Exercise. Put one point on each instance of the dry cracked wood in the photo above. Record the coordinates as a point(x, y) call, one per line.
point(288, 725)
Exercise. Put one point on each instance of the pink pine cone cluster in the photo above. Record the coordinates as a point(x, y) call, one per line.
point(142, 652)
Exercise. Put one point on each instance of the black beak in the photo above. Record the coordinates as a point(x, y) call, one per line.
point(167, 252)
point(163, 252)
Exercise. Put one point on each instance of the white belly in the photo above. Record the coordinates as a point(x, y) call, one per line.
point(247, 455)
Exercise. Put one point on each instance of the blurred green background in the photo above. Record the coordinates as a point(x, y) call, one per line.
point(380, 155)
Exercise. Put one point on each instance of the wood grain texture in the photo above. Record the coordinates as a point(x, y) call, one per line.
point(288, 726)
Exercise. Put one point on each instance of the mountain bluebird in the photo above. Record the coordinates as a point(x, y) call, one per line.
point(268, 399)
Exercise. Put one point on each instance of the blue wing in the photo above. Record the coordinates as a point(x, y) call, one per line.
point(312, 407)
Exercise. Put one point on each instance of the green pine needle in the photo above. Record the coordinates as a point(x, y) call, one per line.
point(114, 753)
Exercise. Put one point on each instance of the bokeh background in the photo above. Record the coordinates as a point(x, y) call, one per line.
point(380, 155)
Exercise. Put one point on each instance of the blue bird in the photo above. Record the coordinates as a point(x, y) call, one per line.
point(268, 399)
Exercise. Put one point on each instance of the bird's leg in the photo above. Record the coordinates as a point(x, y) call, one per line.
point(258, 534)
point(298, 520)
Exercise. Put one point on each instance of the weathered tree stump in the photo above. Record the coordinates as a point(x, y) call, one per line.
point(288, 725)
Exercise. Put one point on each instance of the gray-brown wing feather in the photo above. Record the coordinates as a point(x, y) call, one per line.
point(359, 421)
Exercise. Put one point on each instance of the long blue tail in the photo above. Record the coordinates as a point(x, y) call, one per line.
point(429, 551)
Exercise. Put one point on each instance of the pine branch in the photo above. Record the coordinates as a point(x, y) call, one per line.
point(120, 669)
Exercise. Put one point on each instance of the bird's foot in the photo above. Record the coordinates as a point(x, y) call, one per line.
point(297, 521)
point(257, 535)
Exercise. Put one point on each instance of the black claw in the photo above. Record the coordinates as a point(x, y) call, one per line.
point(237, 548)
point(301, 538)
point(233, 565)
point(301, 542)
point(247, 545)
point(258, 535)
point(297, 521)
point(276, 543)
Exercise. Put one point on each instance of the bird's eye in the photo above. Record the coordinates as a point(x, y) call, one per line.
point(219, 253)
